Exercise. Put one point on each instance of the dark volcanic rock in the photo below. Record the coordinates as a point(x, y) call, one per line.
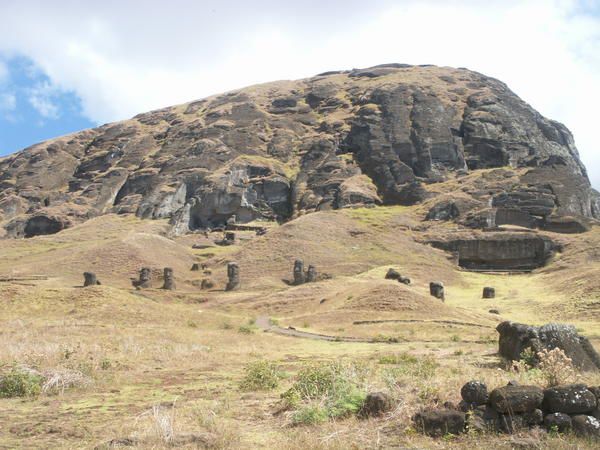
point(89, 279)
point(360, 137)
point(440, 422)
point(516, 399)
point(586, 426)
point(489, 292)
point(376, 404)
point(560, 422)
point(474, 392)
point(516, 337)
point(392, 274)
point(571, 399)
point(436, 289)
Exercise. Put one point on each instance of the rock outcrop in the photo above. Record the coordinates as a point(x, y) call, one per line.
point(336, 140)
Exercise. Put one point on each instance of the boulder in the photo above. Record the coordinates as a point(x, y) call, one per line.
point(516, 337)
point(195, 267)
point(586, 426)
point(560, 422)
point(439, 422)
point(482, 419)
point(511, 423)
point(534, 418)
point(376, 404)
point(570, 399)
point(516, 399)
point(474, 392)
point(404, 280)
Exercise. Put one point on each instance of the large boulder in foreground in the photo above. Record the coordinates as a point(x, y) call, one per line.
point(516, 399)
point(516, 337)
point(570, 399)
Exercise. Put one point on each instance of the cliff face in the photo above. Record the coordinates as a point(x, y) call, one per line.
point(384, 135)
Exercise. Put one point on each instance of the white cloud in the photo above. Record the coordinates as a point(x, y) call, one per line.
point(3, 72)
point(40, 98)
point(8, 101)
point(122, 58)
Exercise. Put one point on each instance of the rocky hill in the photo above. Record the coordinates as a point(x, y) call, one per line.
point(388, 135)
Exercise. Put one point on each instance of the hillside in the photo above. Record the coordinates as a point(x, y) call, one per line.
point(441, 174)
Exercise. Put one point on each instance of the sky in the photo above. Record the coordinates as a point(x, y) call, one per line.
point(66, 65)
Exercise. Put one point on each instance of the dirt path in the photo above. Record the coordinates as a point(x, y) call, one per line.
point(264, 323)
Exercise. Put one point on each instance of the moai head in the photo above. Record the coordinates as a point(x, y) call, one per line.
point(230, 236)
point(89, 279)
point(233, 275)
point(195, 267)
point(436, 289)
point(169, 282)
point(145, 275)
point(489, 292)
point(299, 277)
point(311, 274)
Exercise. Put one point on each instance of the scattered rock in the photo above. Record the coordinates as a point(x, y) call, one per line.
point(570, 399)
point(376, 404)
point(516, 399)
point(494, 311)
point(404, 280)
point(586, 426)
point(560, 422)
point(474, 392)
point(439, 422)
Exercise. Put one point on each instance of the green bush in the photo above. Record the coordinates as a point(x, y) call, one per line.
point(20, 383)
point(261, 376)
point(337, 390)
point(246, 329)
point(310, 415)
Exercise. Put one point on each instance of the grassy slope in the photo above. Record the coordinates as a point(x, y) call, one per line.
point(146, 348)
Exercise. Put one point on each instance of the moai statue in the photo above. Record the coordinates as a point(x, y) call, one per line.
point(233, 275)
point(145, 275)
point(89, 279)
point(311, 274)
point(169, 283)
point(489, 292)
point(299, 272)
point(436, 289)
point(195, 267)
point(230, 237)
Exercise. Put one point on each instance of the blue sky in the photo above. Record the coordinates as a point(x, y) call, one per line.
point(32, 109)
point(66, 65)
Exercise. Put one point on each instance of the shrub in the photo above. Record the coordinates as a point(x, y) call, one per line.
point(246, 329)
point(261, 376)
point(20, 383)
point(326, 390)
point(555, 367)
point(310, 415)
point(414, 367)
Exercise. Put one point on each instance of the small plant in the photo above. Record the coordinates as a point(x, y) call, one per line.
point(246, 329)
point(310, 415)
point(226, 326)
point(399, 358)
point(261, 376)
point(528, 357)
point(192, 324)
point(556, 367)
point(306, 325)
point(20, 383)
point(455, 338)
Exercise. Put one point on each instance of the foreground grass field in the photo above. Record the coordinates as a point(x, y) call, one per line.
point(153, 369)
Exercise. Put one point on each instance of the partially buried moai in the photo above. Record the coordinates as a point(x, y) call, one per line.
point(299, 277)
point(89, 279)
point(311, 274)
point(489, 292)
point(436, 289)
point(169, 282)
point(145, 275)
point(233, 276)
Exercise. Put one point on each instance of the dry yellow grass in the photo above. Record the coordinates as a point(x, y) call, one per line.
point(166, 366)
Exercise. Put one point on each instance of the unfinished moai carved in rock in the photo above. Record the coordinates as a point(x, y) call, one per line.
point(311, 274)
point(233, 275)
point(436, 289)
point(489, 292)
point(299, 277)
point(89, 279)
point(169, 282)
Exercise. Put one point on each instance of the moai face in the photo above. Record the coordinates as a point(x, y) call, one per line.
point(299, 272)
